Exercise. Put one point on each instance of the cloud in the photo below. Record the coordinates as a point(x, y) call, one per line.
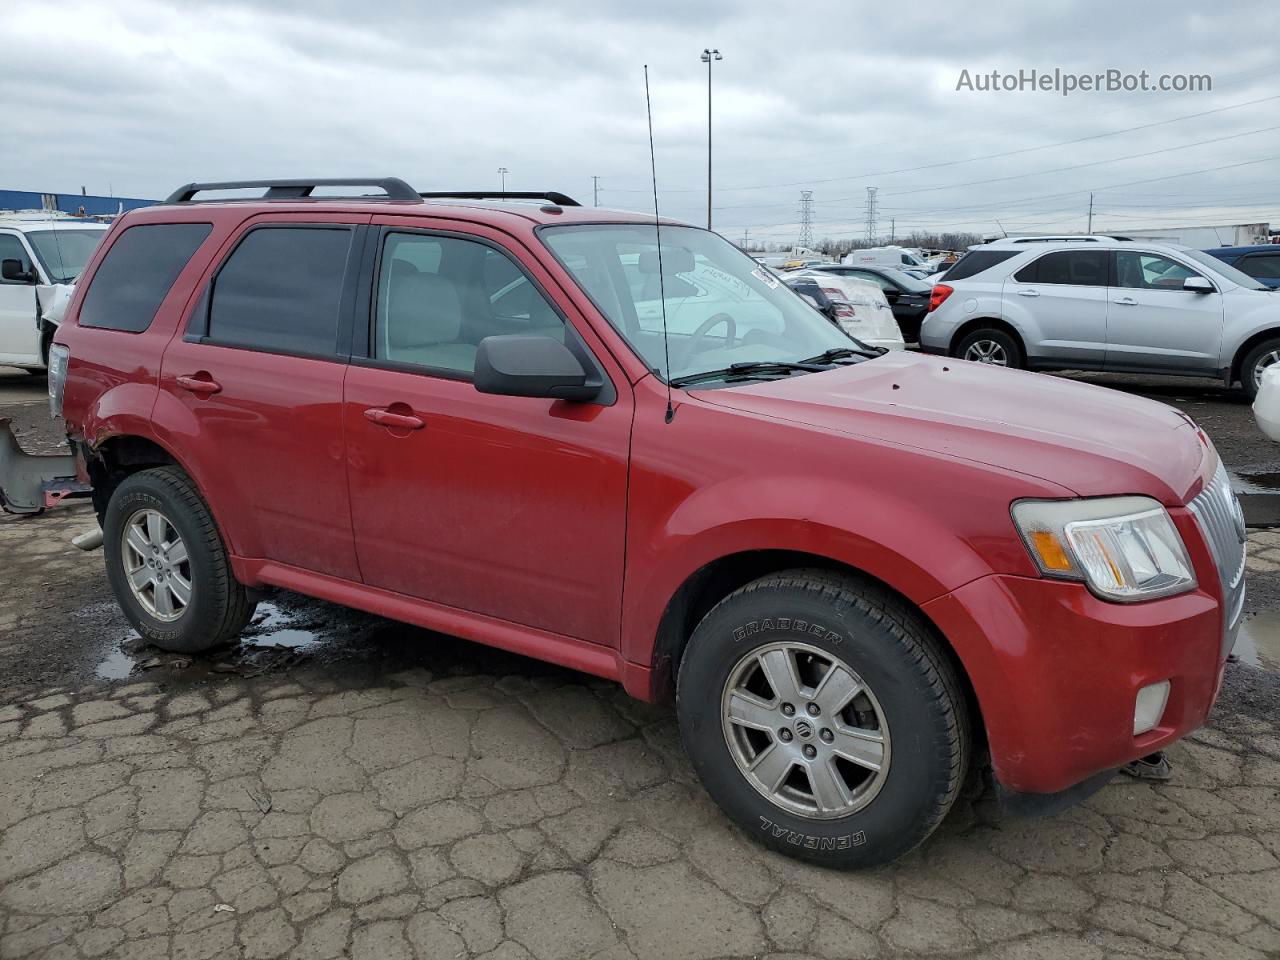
point(138, 97)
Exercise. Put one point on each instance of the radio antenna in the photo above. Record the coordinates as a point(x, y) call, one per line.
point(657, 232)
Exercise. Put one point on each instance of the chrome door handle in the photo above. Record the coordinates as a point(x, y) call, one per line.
point(1126, 301)
point(1028, 293)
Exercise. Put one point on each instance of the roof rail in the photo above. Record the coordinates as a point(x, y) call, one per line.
point(394, 187)
point(551, 196)
point(1075, 238)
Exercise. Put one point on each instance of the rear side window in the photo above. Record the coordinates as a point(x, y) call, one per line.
point(975, 262)
point(136, 274)
point(281, 290)
point(1261, 265)
point(1075, 268)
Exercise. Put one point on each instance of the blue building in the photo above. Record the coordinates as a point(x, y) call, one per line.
point(72, 203)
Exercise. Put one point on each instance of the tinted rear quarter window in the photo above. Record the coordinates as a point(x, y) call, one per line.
point(281, 290)
point(975, 262)
point(135, 276)
point(1077, 268)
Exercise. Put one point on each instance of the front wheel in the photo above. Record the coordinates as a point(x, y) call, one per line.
point(167, 564)
point(1256, 363)
point(990, 346)
point(822, 717)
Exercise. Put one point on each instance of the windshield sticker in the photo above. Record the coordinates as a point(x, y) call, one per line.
point(765, 277)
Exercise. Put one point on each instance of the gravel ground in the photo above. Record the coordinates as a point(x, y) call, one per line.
point(336, 785)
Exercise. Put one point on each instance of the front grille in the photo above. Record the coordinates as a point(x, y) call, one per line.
point(1222, 521)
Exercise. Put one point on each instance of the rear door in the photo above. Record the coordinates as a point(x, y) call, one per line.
point(1059, 300)
point(259, 371)
point(1153, 324)
point(510, 507)
point(19, 332)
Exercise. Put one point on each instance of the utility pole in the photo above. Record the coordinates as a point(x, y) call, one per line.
point(595, 191)
point(746, 238)
point(502, 172)
point(806, 220)
point(1090, 230)
point(893, 228)
point(872, 210)
point(708, 56)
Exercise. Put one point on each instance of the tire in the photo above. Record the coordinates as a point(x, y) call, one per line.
point(217, 607)
point(997, 343)
point(915, 704)
point(1255, 361)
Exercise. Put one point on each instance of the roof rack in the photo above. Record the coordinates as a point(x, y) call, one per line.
point(394, 187)
point(1075, 238)
point(551, 196)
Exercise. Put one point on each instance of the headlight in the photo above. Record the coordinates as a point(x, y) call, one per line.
point(1124, 548)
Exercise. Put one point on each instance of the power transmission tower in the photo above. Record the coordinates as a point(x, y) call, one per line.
point(872, 210)
point(806, 220)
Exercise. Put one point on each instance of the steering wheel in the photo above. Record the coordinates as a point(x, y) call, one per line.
point(730, 335)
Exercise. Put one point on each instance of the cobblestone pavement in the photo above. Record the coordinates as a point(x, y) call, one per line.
point(454, 801)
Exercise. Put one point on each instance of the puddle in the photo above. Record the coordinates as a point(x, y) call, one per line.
point(1247, 481)
point(116, 666)
point(1258, 643)
point(272, 627)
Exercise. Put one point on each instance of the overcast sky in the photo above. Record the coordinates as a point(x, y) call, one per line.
point(135, 98)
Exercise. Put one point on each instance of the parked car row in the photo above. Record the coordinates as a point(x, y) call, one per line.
point(1101, 303)
point(633, 451)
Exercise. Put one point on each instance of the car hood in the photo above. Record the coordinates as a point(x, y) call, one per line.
point(1091, 440)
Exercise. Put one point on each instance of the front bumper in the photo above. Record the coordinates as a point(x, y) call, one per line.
point(1057, 673)
point(29, 483)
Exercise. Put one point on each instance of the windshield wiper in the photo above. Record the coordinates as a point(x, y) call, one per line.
point(751, 369)
point(841, 353)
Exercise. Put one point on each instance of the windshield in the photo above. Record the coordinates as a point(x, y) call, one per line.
point(722, 307)
point(908, 282)
point(1225, 269)
point(63, 253)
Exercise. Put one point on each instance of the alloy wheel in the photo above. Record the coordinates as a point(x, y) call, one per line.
point(805, 730)
point(156, 564)
point(1259, 368)
point(987, 351)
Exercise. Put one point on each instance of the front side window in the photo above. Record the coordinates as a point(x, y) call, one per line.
point(11, 248)
point(1076, 268)
point(1149, 271)
point(281, 290)
point(438, 297)
point(65, 252)
point(722, 308)
point(135, 276)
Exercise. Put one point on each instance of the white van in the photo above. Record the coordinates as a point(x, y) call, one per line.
point(37, 250)
point(890, 256)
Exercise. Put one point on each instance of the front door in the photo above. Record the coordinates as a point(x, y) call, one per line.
point(260, 371)
point(1152, 323)
point(19, 333)
point(1060, 302)
point(511, 507)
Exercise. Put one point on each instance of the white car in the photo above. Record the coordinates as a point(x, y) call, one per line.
point(1266, 405)
point(1101, 303)
point(867, 315)
point(38, 251)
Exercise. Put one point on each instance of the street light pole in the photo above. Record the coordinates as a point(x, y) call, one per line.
point(707, 57)
point(502, 172)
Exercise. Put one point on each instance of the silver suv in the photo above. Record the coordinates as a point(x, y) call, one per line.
point(1105, 303)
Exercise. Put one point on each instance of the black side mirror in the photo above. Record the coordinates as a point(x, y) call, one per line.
point(524, 366)
point(12, 271)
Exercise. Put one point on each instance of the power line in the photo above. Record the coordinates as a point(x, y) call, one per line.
point(988, 156)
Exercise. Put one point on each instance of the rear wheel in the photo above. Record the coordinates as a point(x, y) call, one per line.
point(991, 346)
point(822, 717)
point(168, 566)
point(1256, 362)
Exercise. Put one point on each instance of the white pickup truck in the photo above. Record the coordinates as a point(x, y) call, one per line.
point(39, 251)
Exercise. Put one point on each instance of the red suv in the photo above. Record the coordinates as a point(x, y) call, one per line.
point(534, 425)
